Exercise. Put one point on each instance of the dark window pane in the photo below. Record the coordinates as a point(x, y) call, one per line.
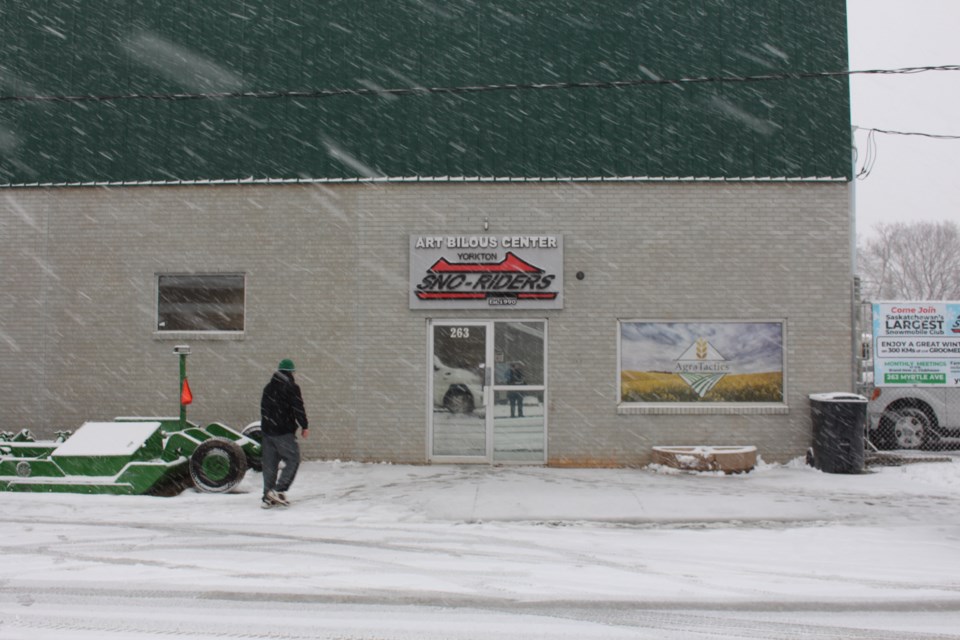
point(200, 303)
point(520, 345)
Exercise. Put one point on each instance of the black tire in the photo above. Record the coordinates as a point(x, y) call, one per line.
point(883, 438)
point(458, 401)
point(217, 465)
point(255, 433)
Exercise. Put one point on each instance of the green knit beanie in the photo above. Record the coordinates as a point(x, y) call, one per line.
point(286, 365)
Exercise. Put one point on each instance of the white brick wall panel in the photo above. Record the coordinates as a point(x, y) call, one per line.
point(327, 271)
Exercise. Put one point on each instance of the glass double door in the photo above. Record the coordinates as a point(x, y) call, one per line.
point(487, 391)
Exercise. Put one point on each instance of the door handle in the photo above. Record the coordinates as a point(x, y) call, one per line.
point(486, 375)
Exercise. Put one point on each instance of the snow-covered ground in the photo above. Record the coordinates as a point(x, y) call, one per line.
point(376, 551)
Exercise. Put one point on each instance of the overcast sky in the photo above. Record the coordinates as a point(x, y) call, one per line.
point(913, 178)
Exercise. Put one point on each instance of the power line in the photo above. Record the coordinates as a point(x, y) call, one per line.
point(936, 136)
point(869, 156)
point(411, 91)
point(870, 151)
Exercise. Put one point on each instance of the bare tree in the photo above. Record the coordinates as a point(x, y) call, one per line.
point(911, 261)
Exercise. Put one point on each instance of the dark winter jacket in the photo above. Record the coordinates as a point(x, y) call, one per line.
point(515, 376)
point(281, 407)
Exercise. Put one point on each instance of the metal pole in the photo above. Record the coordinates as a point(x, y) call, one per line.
point(183, 351)
point(856, 333)
point(183, 376)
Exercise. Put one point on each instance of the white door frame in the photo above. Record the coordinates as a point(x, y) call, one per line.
point(489, 390)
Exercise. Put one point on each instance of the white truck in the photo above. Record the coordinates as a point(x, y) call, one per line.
point(914, 418)
point(911, 374)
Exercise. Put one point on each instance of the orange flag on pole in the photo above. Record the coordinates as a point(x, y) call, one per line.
point(185, 396)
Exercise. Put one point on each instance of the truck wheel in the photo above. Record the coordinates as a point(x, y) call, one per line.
point(217, 465)
point(911, 428)
point(255, 433)
point(458, 401)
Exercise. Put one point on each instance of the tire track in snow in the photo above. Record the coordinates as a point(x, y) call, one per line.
point(144, 614)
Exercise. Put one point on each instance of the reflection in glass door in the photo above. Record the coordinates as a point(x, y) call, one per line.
point(488, 390)
point(459, 390)
point(519, 413)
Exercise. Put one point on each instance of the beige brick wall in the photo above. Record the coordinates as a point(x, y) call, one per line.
point(327, 280)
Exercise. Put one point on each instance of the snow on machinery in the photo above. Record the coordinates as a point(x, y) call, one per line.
point(157, 456)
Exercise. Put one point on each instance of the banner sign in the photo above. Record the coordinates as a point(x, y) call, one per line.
point(916, 344)
point(486, 271)
point(701, 362)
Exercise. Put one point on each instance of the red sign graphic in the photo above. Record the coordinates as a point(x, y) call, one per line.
point(510, 279)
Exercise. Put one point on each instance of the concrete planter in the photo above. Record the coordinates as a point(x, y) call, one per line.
point(733, 459)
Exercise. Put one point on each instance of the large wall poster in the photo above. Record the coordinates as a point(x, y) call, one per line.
point(916, 344)
point(701, 362)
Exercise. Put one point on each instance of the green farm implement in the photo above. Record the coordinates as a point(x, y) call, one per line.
point(129, 456)
point(157, 456)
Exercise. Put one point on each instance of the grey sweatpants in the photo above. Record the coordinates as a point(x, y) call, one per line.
point(277, 449)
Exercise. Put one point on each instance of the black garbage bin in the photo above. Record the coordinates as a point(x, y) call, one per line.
point(839, 421)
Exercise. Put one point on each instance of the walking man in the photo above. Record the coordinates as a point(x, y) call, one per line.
point(281, 414)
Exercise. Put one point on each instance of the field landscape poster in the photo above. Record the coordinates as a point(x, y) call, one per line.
point(701, 362)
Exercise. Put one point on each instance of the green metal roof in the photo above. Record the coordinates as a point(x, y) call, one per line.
point(793, 128)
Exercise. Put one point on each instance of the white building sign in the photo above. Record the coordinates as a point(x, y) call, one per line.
point(916, 344)
point(516, 271)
